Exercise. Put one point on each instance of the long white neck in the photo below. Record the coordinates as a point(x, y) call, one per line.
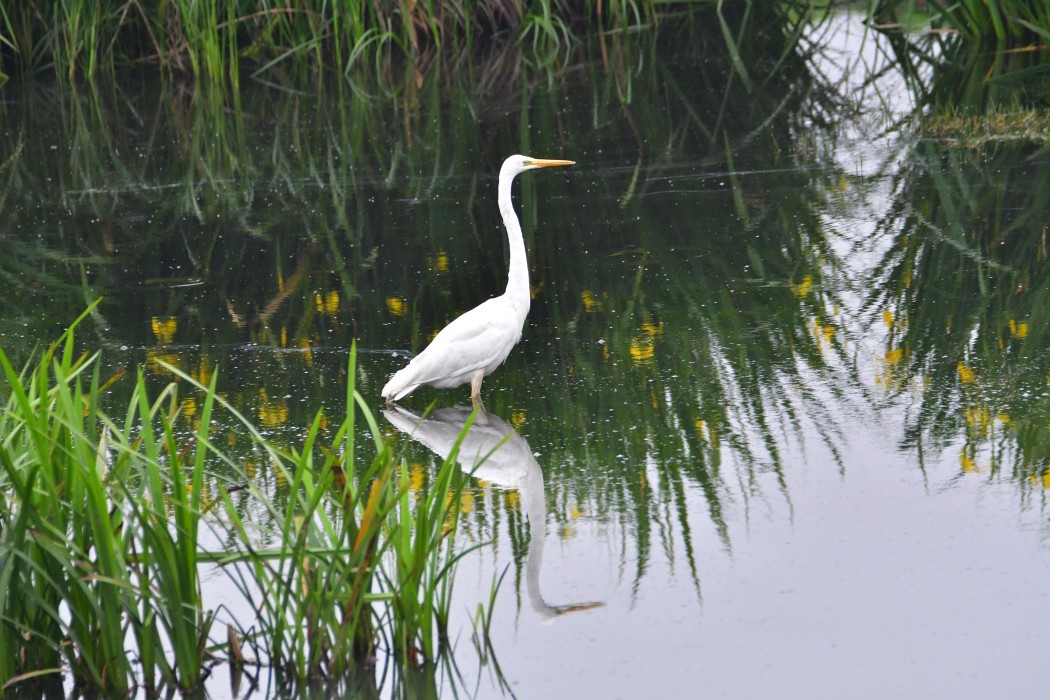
point(518, 276)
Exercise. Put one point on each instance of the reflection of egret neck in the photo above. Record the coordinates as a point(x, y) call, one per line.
point(534, 500)
point(492, 451)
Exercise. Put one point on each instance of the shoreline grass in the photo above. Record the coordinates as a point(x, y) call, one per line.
point(211, 40)
point(100, 554)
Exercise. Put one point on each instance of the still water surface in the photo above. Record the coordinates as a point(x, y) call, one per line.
point(779, 419)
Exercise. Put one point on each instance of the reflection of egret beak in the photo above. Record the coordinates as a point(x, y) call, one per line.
point(546, 163)
point(578, 607)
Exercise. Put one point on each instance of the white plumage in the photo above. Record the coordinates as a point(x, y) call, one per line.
point(476, 343)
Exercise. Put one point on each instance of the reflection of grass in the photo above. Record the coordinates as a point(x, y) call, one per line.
point(99, 538)
point(968, 287)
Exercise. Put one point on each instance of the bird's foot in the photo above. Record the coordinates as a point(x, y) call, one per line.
point(482, 418)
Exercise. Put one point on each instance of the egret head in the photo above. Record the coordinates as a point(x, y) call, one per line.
point(519, 164)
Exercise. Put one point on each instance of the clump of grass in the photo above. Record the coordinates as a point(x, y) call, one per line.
point(998, 124)
point(100, 520)
point(1002, 21)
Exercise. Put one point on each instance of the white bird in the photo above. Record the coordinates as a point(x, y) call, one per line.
point(476, 343)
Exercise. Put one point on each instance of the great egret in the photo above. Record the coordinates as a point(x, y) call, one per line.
point(476, 343)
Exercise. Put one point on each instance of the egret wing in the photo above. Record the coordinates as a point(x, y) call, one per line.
point(479, 338)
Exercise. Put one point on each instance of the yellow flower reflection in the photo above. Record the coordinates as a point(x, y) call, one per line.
point(155, 357)
point(653, 330)
point(328, 304)
point(978, 418)
point(188, 407)
point(591, 304)
point(707, 431)
point(517, 417)
point(823, 334)
point(643, 345)
point(801, 290)
point(966, 375)
point(889, 373)
point(438, 263)
point(1018, 329)
point(642, 350)
point(396, 306)
point(271, 413)
point(308, 352)
point(164, 329)
point(204, 373)
point(416, 476)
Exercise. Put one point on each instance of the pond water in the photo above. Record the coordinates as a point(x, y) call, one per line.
point(780, 415)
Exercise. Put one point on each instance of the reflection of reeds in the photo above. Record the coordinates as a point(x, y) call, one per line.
point(966, 293)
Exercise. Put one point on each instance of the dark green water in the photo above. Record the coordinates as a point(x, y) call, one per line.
point(782, 398)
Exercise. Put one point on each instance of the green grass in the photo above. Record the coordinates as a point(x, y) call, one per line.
point(997, 21)
point(210, 39)
point(998, 125)
point(100, 546)
point(974, 54)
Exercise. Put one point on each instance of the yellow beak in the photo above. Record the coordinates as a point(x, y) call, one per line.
point(545, 163)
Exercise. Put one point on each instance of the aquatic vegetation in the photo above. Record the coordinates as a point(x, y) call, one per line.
point(968, 293)
point(302, 185)
point(972, 55)
point(211, 40)
point(101, 538)
point(997, 125)
point(1016, 22)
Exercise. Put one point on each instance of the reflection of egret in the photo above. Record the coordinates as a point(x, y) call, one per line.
point(476, 343)
point(508, 462)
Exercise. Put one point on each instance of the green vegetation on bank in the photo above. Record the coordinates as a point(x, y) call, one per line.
point(84, 38)
point(217, 40)
point(1017, 22)
point(104, 531)
point(973, 54)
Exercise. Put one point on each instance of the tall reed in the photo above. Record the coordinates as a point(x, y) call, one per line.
point(210, 39)
point(100, 538)
point(353, 560)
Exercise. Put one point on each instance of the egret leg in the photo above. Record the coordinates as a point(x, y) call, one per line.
point(475, 390)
